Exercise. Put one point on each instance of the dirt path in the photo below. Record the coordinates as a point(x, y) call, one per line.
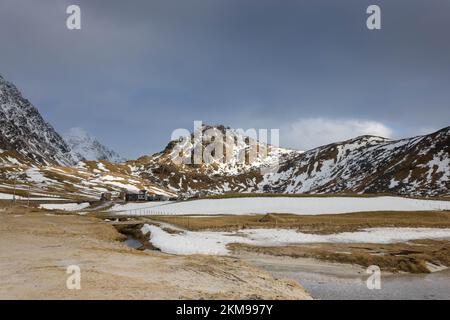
point(36, 249)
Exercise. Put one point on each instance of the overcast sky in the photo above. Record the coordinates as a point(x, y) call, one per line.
point(137, 70)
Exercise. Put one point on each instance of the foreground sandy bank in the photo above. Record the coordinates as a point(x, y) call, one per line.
point(37, 248)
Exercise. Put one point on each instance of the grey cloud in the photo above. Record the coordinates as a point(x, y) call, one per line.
point(137, 70)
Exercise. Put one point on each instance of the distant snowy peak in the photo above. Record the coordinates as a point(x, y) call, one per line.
point(85, 147)
point(24, 134)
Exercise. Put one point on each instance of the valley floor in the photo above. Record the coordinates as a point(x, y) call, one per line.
point(37, 248)
point(416, 242)
point(243, 257)
point(327, 254)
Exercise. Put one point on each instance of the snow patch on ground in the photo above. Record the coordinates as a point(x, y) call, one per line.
point(36, 176)
point(65, 206)
point(300, 205)
point(136, 206)
point(214, 243)
point(7, 196)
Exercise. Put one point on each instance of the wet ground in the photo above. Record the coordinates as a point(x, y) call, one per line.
point(133, 243)
point(324, 280)
point(37, 249)
point(336, 281)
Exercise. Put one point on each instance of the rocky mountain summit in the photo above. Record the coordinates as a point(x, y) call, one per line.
point(216, 160)
point(25, 134)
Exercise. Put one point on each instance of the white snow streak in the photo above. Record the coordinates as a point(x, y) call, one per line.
point(65, 206)
point(214, 243)
point(293, 205)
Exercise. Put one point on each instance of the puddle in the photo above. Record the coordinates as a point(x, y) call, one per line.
point(133, 243)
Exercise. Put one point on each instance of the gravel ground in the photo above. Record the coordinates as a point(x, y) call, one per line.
point(38, 247)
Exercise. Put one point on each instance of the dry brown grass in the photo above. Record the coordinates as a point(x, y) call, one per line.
point(408, 257)
point(320, 224)
point(411, 256)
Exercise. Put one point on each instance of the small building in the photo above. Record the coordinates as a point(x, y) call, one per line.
point(142, 195)
point(106, 196)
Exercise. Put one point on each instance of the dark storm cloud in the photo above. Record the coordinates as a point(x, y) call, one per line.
point(137, 70)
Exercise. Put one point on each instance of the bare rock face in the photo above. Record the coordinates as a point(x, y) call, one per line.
point(366, 164)
point(235, 172)
point(25, 132)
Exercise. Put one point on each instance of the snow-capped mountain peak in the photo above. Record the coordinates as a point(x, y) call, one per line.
point(86, 147)
point(25, 133)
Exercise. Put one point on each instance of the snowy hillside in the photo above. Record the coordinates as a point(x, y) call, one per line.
point(24, 134)
point(86, 147)
point(237, 171)
point(414, 166)
point(366, 164)
point(84, 182)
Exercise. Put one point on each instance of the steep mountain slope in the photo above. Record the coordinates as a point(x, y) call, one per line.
point(366, 164)
point(33, 155)
point(240, 170)
point(84, 182)
point(86, 147)
point(35, 159)
point(24, 135)
point(415, 166)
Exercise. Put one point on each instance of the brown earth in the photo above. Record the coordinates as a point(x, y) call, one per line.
point(319, 224)
point(37, 247)
point(413, 256)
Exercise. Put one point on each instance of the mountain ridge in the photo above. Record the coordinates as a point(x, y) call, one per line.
point(363, 164)
point(23, 130)
point(32, 149)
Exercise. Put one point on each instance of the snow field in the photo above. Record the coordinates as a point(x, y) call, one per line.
point(292, 205)
point(214, 243)
point(65, 206)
